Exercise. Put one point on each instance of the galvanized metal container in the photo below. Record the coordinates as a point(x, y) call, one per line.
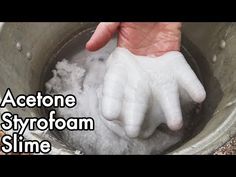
point(26, 51)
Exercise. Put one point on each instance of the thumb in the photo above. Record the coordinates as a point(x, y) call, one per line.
point(102, 35)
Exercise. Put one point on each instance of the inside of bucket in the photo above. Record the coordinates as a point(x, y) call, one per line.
point(193, 123)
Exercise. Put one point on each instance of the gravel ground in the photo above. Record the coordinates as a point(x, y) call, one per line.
point(228, 149)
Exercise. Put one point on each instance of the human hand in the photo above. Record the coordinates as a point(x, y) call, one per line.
point(145, 39)
point(133, 83)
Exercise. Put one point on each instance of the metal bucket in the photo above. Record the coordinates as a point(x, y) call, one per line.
point(26, 51)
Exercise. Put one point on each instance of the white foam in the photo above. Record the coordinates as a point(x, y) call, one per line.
point(83, 76)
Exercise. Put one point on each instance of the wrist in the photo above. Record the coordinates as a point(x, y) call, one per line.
point(159, 39)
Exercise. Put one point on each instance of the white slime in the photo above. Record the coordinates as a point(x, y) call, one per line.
point(129, 97)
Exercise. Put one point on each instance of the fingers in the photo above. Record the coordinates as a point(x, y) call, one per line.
point(133, 118)
point(169, 101)
point(113, 89)
point(102, 35)
point(189, 81)
point(134, 109)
